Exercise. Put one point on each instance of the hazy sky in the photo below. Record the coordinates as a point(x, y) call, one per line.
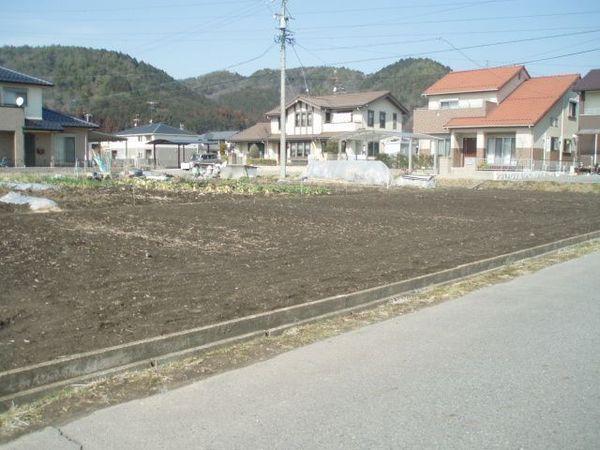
point(192, 37)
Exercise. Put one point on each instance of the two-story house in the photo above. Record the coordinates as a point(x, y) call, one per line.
point(589, 118)
point(311, 121)
point(501, 118)
point(32, 135)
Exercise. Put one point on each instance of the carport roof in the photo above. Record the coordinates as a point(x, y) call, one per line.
point(175, 141)
point(98, 136)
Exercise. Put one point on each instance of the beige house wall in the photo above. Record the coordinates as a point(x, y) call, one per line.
point(13, 120)
point(432, 121)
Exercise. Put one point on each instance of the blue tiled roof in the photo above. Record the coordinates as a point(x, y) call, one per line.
point(12, 76)
point(56, 121)
point(154, 128)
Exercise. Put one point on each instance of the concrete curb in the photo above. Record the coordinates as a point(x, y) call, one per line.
point(28, 383)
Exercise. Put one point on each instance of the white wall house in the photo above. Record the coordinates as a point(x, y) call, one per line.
point(500, 118)
point(313, 121)
point(136, 145)
point(32, 135)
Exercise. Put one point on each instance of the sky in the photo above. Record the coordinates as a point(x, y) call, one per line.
point(188, 38)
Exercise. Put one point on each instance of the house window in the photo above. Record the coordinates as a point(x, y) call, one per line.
point(500, 150)
point(554, 144)
point(443, 147)
point(310, 119)
point(554, 121)
point(395, 120)
point(299, 149)
point(567, 146)
point(65, 151)
point(327, 116)
point(382, 119)
point(12, 94)
point(572, 109)
point(370, 118)
point(303, 119)
point(140, 138)
point(373, 149)
point(449, 104)
point(297, 122)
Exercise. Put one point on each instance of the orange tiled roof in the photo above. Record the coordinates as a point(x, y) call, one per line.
point(492, 79)
point(526, 106)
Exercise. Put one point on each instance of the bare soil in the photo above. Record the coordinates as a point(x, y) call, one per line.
point(115, 266)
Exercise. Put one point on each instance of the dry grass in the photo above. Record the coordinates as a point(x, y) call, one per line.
point(82, 399)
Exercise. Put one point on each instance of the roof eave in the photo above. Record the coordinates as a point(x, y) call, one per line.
point(513, 125)
point(465, 91)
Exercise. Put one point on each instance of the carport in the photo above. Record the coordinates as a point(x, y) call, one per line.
point(365, 136)
point(180, 143)
point(96, 137)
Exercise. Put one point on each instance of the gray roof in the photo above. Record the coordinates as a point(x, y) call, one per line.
point(12, 76)
point(154, 128)
point(56, 121)
point(591, 82)
point(343, 101)
point(99, 136)
point(176, 141)
point(218, 135)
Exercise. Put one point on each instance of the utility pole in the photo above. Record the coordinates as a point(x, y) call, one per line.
point(153, 105)
point(283, 39)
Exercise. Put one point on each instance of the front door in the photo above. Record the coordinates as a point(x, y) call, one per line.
point(29, 150)
point(469, 150)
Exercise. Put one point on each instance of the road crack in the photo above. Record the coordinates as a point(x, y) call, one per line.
point(69, 438)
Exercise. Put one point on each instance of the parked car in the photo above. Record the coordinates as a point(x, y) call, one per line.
point(199, 160)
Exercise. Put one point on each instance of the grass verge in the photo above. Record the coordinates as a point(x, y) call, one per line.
point(79, 400)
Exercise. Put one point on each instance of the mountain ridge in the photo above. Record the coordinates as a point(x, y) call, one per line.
point(115, 87)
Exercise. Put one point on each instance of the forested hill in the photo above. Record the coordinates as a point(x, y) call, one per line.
point(115, 87)
point(259, 92)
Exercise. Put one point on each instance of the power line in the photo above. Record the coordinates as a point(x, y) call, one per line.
point(267, 50)
point(303, 69)
point(566, 55)
point(407, 6)
point(464, 19)
point(246, 12)
point(489, 44)
point(130, 8)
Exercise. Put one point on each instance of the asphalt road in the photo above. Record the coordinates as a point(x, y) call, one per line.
point(516, 365)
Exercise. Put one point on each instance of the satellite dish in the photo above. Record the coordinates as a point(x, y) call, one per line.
point(20, 101)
